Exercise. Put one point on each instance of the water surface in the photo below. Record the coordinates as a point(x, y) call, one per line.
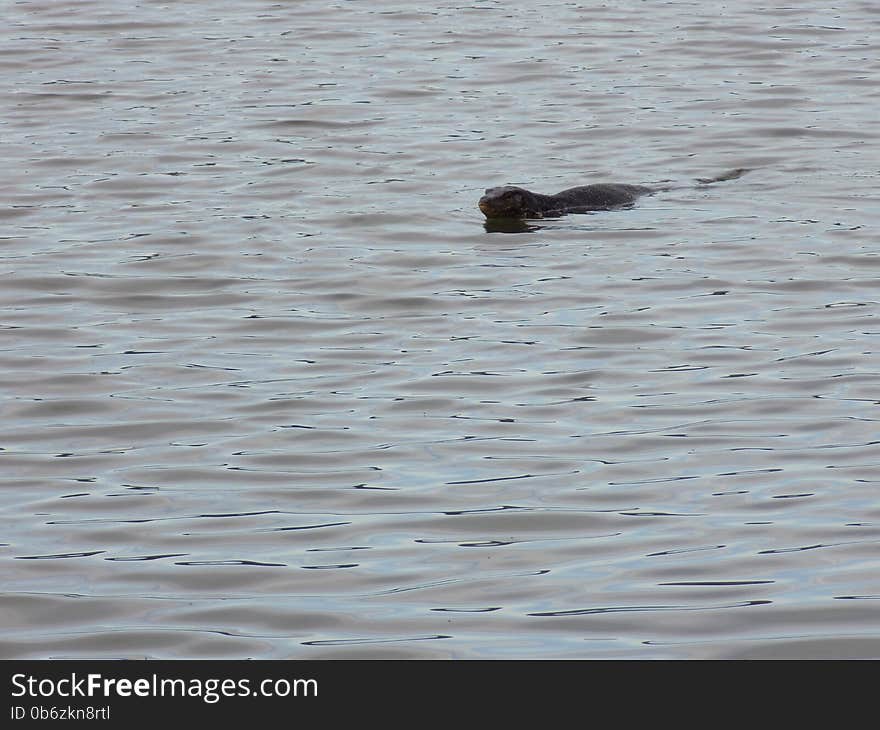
point(271, 389)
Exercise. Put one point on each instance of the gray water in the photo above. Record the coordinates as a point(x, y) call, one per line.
point(271, 389)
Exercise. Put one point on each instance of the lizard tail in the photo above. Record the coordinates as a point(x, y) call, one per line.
point(729, 175)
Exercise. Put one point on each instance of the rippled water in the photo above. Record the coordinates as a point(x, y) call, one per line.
point(271, 389)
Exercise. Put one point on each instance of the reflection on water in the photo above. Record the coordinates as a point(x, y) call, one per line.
point(509, 225)
point(269, 389)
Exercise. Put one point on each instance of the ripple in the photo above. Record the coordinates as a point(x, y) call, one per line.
point(273, 386)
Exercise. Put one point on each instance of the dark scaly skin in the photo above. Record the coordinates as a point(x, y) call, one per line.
point(512, 202)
